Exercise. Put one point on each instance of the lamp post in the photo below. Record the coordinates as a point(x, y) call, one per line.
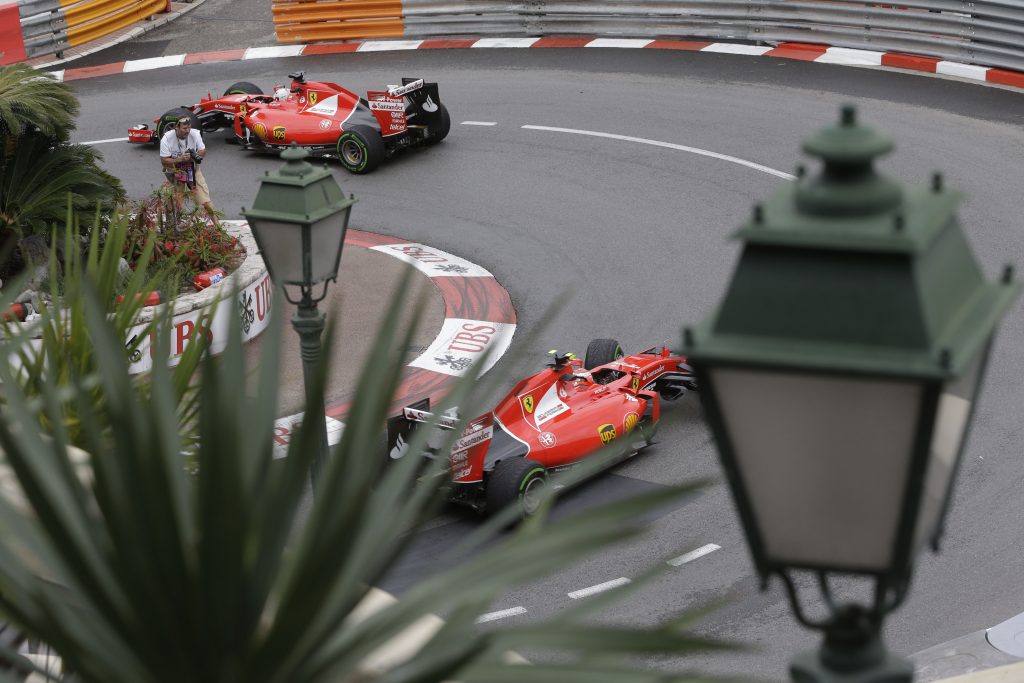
point(298, 219)
point(839, 374)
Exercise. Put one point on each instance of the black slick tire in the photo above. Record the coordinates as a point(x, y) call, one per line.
point(516, 481)
point(360, 149)
point(170, 117)
point(243, 88)
point(601, 351)
point(444, 124)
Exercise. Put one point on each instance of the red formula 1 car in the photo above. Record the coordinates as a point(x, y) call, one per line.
point(552, 421)
point(326, 119)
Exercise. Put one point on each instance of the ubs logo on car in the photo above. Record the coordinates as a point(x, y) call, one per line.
point(279, 132)
point(607, 433)
point(528, 403)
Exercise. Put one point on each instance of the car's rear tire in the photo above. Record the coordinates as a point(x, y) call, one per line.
point(360, 149)
point(243, 88)
point(516, 481)
point(444, 124)
point(601, 351)
point(169, 118)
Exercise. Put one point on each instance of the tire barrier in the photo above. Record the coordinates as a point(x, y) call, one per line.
point(982, 33)
point(30, 28)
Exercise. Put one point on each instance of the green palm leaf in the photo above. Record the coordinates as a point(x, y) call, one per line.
point(37, 179)
point(32, 100)
point(146, 574)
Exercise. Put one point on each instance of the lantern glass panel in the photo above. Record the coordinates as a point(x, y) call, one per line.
point(824, 460)
point(947, 442)
point(326, 238)
point(281, 246)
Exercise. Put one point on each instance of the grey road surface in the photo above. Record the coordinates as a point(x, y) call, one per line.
point(632, 240)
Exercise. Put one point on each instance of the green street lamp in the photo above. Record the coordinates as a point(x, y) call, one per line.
point(839, 374)
point(298, 219)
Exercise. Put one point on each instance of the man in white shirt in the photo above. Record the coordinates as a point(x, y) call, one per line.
point(181, 152)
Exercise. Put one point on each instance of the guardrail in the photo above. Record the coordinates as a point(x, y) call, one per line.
point(982, 33)
point(30, 28)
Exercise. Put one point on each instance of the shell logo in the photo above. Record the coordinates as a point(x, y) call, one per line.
point(630, 422)
point(260, 130)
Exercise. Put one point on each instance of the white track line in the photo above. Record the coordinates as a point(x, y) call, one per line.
point(669, 145)
point(505, 42)
point(103, 142)
point(386, 45)
point(694, 554)
point(501, 614)
point(273, 51)
point(153, 63)
point(620, 42)
point(479, 123)
point(599, 588)
point(736, 49)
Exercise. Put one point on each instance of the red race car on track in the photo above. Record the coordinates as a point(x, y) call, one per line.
point(326, 119)
point(552, 421)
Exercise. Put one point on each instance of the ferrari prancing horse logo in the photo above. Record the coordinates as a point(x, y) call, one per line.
point(636, 384)
point(528, 404)
point(312, 97)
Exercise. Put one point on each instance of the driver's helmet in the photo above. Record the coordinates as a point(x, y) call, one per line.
point(280, 93)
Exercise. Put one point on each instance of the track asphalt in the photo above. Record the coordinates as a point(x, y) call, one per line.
point(464, 311)
point(464, 308)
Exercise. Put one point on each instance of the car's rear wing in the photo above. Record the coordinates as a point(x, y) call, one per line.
point(402, 426)
point(424, 100)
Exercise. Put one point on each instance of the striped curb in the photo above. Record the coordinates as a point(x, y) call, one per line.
point(479, 318)
point(807, 52)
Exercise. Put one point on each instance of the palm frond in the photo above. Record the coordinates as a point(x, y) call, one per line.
point(146, 574)
point(38, 178)
point(32, 100)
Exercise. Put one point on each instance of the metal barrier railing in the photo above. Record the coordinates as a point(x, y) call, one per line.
point(984, 33)
point(303, 21)
point(51, 26)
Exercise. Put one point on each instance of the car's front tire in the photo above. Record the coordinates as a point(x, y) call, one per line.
point(360, 149)
point(243, 88)
point(516, 481)
point(602, 351)
point(171, 117)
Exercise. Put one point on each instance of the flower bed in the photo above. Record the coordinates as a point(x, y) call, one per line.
point(194, 312)
point(186, 243)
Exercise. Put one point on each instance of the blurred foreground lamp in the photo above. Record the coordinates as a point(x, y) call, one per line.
point(839, 374)
point(298, 219)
